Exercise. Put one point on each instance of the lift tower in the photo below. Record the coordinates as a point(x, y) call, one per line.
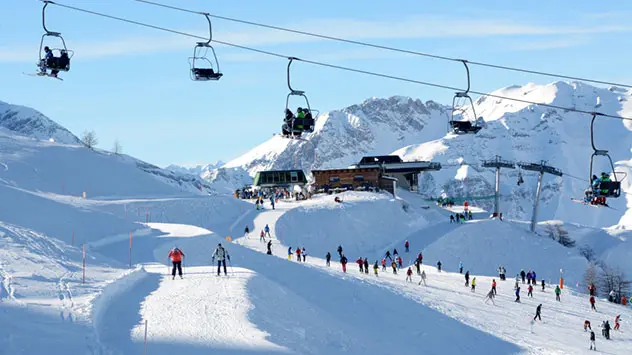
point(498, 163)
point(541, 168)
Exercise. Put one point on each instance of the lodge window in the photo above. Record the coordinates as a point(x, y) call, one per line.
point(334, 179)
point(358, 178)
point(294, 176)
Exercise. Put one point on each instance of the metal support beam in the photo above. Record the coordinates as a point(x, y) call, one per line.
point(536, 204)
point(541, 168)
point(498, 163)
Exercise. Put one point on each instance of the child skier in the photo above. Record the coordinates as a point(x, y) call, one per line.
point(494, 286)
point(439, 265)
point(592, 341)
point(407, 245)
point(304, 253)
point(394, 266)
point(517, 294)
point(474, 284)
point(592, 303)
point(617, 319)
point(409, 275)
point(298, 254)
point(269, 252)
point(542, 285)
point(460, 267)
point(530, 289)
point(423, 277)
point(490, 296)
point(375, 267)
point(262, 237)
point(289, 253)
point(558, 292)
point(383, 264)
point(343, 262)
point(176, 256)
point(360, 263)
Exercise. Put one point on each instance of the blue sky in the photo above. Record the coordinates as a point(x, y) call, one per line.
point(132, 83)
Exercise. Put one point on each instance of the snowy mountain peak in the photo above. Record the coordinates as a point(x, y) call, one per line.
point(27, 122)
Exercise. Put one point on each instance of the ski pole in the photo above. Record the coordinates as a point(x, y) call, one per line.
point(231, 267)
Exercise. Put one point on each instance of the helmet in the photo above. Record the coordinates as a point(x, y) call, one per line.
point(299, 109)
point(46, 49)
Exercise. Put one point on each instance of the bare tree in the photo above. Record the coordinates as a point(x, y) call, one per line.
point(560, 235)
point(89, 139)
point(590, 276)
point(587, 252)
point(117, 148)
point(611, 279)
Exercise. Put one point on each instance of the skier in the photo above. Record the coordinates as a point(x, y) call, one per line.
point(518, 294)
point(304, 253)
point(343, 262)
point(538, 311)
point(246, 231)
point(522, 275)
point(383, 264)
point(470, 216)
point(409, 275)
point(591, 289)
point(517, 281)
point(366, 265)
point(407, 245)
point(558, 291)
point(394, 266)
point(328, 259)
point(592, 303)
point(607, 330)
point(269, 247)
point(504, 273)
point(298, 254)
point(257, 205)
point(494, 286)
point(474, 284)
point(617, 319)
point(542, 285)
point(593, 346)
point(375, 267)
point(423, 277)
point(460, 267)
point(490, 296)
point(400, 262)
point(221, 255)
point(340, 251)
point(267, 230)
point(388, 255)
point(360, 263)
point(418, 267)
point(467, 278)
point(289, 253)
point(395, 253)
point(451, 218)
point(587, 325)
point(176, 256)
point(262, 237)
point(272, 201)
point(533, 277)
point(420, 257)
point(603, 329)
point(611, 295)
point(530, 291)
point(529, 277)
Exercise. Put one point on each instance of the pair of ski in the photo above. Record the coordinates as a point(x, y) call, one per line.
point(44, 74)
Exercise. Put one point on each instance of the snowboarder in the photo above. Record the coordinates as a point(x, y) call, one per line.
point(467, 278)
point(542, 285)
point(592, 303)
point(474, 284)
point(518, 294)
point(360, 263)
point(407, 245)
point(439, 266)
point(538, 312)
point(593, 346)
point(494, 286)
point(298, 254)
point(267, 230)
point(221, 255)
point(375, 267)
point(262, 237)
point(558, 292)
point(423, 277)
point(587, 325)
point(460, 267)
point(366, 265)
point(522, 275)
point(289, 253)
point(269, 247)
point(490, 296)
point(304, 253)
point(328, 259)
point(409, 275)
point(343, 262)
point(176, 256)
point(383, 264)
point(340, 251)
point(617, 319)
point(394, 266)
point(530, 291)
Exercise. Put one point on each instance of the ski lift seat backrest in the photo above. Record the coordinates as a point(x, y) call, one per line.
point(613, 188)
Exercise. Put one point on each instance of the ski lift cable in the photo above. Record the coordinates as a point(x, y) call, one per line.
point(394, 49)
point(333, 66)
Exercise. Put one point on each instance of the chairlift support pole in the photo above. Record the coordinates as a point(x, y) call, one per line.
point(498, 163)
point(541, 168)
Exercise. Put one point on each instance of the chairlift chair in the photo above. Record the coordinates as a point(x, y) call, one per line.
point(61, 62)
point(607, 189)
point(460, 103)
point(202, 68)
point(292, 124)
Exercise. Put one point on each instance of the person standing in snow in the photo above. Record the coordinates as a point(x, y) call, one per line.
point(221, 255)
point(407, 245)
point(592, 303)
point(474, 284)
point(617, 319)
point(517, 281)
point(409, 275)
point(538, 312)
point(451, 218)
point(360, 263)
point(420, 257)
point(395, 253)
point(494, 286)
point(518, 294)
point(558, 292)
point(375, 267)
point(304, 253)
point(607, 330)
point(587, 325)
point(418, 267)
point(439, 265)
point(383, 264)
point(289, 253)
point(533, 278)
point(272, 201)
point(467, 278)
point(542, 285)
point(176, 255)
point(246, 231)
point(257, 205)
point(388, 255)
point(343, 262)
point(339, 250)
point(490, 296)
point(593, 346)
point(591, 289)
point(530, 291)
point(267, 230)
point(328, 259)
point(522, 275)
point(400, 262)
point(460, 267)
point(423, 277)
point(529, 277)
point(298, 254)
point(269, 247)
point(394, 266)
point(366, 265)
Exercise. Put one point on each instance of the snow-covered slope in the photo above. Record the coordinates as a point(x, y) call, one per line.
point(27, 122)
point(516, 131)
point(198, 170)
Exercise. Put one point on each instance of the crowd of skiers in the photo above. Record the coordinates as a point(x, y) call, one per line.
point(461, 217)
point(176, 256)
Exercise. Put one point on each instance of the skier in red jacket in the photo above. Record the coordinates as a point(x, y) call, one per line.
point(409, 275)
point(176, 256)
point(592, 303)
